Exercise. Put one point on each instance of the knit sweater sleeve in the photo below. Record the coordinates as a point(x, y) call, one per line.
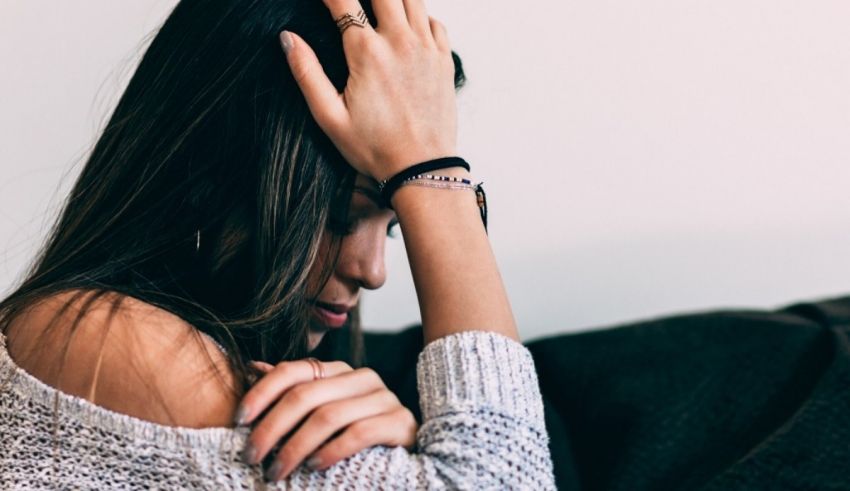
point(482, 427)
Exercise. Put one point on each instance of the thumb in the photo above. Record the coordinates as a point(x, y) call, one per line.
point(324, 101)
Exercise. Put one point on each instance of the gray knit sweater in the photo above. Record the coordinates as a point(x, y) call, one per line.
point(482, 428)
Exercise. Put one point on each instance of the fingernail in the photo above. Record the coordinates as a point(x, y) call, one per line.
point(274, 470)
point(286, 41)
point(314, 462)
point(241, 416)
point(249, 454)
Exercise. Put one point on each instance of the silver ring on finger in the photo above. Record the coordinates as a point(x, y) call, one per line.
point(347, 20)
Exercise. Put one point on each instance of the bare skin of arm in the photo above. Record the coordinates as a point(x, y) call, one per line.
point(456, 276)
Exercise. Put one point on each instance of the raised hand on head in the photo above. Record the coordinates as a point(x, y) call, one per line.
point(398, 106)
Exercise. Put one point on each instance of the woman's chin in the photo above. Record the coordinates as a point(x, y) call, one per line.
point(314, 337)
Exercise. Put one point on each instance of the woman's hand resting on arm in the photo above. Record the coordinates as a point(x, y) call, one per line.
point(326, 420)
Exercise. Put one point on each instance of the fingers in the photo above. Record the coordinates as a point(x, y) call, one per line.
point(324, 422)
point(395, 15)
point(389, 15)
point(277, 381)
point(441, 36)
point(263, 366)
point(325, 103)
point(340, 8)
point(396, 428)
point(300, 401)
point(417, 17)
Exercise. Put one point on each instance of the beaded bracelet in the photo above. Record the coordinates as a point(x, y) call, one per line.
point(451, 182)
point(433, 177)
point(389, 186)
point(438, 185)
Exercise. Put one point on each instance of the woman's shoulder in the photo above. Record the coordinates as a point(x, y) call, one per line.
point(125, 355)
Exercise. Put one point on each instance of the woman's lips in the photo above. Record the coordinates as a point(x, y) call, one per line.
point(329, 317)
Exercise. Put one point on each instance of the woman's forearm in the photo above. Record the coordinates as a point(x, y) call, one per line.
point(454, 269)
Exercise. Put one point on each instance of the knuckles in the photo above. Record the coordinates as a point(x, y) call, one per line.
point(406, 416)
point(408, 45)
point(369, 47)
point(298, 395)
point(370, 376)
point(360, 432)
point(389, 399)
point(299, 69)
point(407, 421)
point(283, 366)
point(326, 415)
point(345, 367)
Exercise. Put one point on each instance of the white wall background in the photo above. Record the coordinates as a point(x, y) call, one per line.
point(641, 158)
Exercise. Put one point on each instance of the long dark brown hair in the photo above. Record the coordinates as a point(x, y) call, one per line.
point(212, 137)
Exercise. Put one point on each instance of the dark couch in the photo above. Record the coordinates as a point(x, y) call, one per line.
point(719, 400)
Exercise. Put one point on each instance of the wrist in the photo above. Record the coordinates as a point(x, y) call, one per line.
point(413, 199)
point(414, 172)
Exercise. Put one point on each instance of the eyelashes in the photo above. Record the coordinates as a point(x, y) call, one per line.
point(347, 227)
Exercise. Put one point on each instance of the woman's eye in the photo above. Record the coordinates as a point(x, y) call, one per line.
point(343, 227)
point(350, 225)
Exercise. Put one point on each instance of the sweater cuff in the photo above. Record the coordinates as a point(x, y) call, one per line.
point(472, 369)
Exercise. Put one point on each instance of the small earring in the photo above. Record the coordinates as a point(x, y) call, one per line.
point(198, 240)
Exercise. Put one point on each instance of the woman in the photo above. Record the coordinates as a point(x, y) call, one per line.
point(227, 218)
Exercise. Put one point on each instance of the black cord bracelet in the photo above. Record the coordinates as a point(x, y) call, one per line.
point(391, 185)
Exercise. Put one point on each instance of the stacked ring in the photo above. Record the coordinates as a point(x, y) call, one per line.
point(318, 369)
point(345, 21)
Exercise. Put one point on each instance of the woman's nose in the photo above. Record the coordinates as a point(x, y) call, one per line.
point(363, 259)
